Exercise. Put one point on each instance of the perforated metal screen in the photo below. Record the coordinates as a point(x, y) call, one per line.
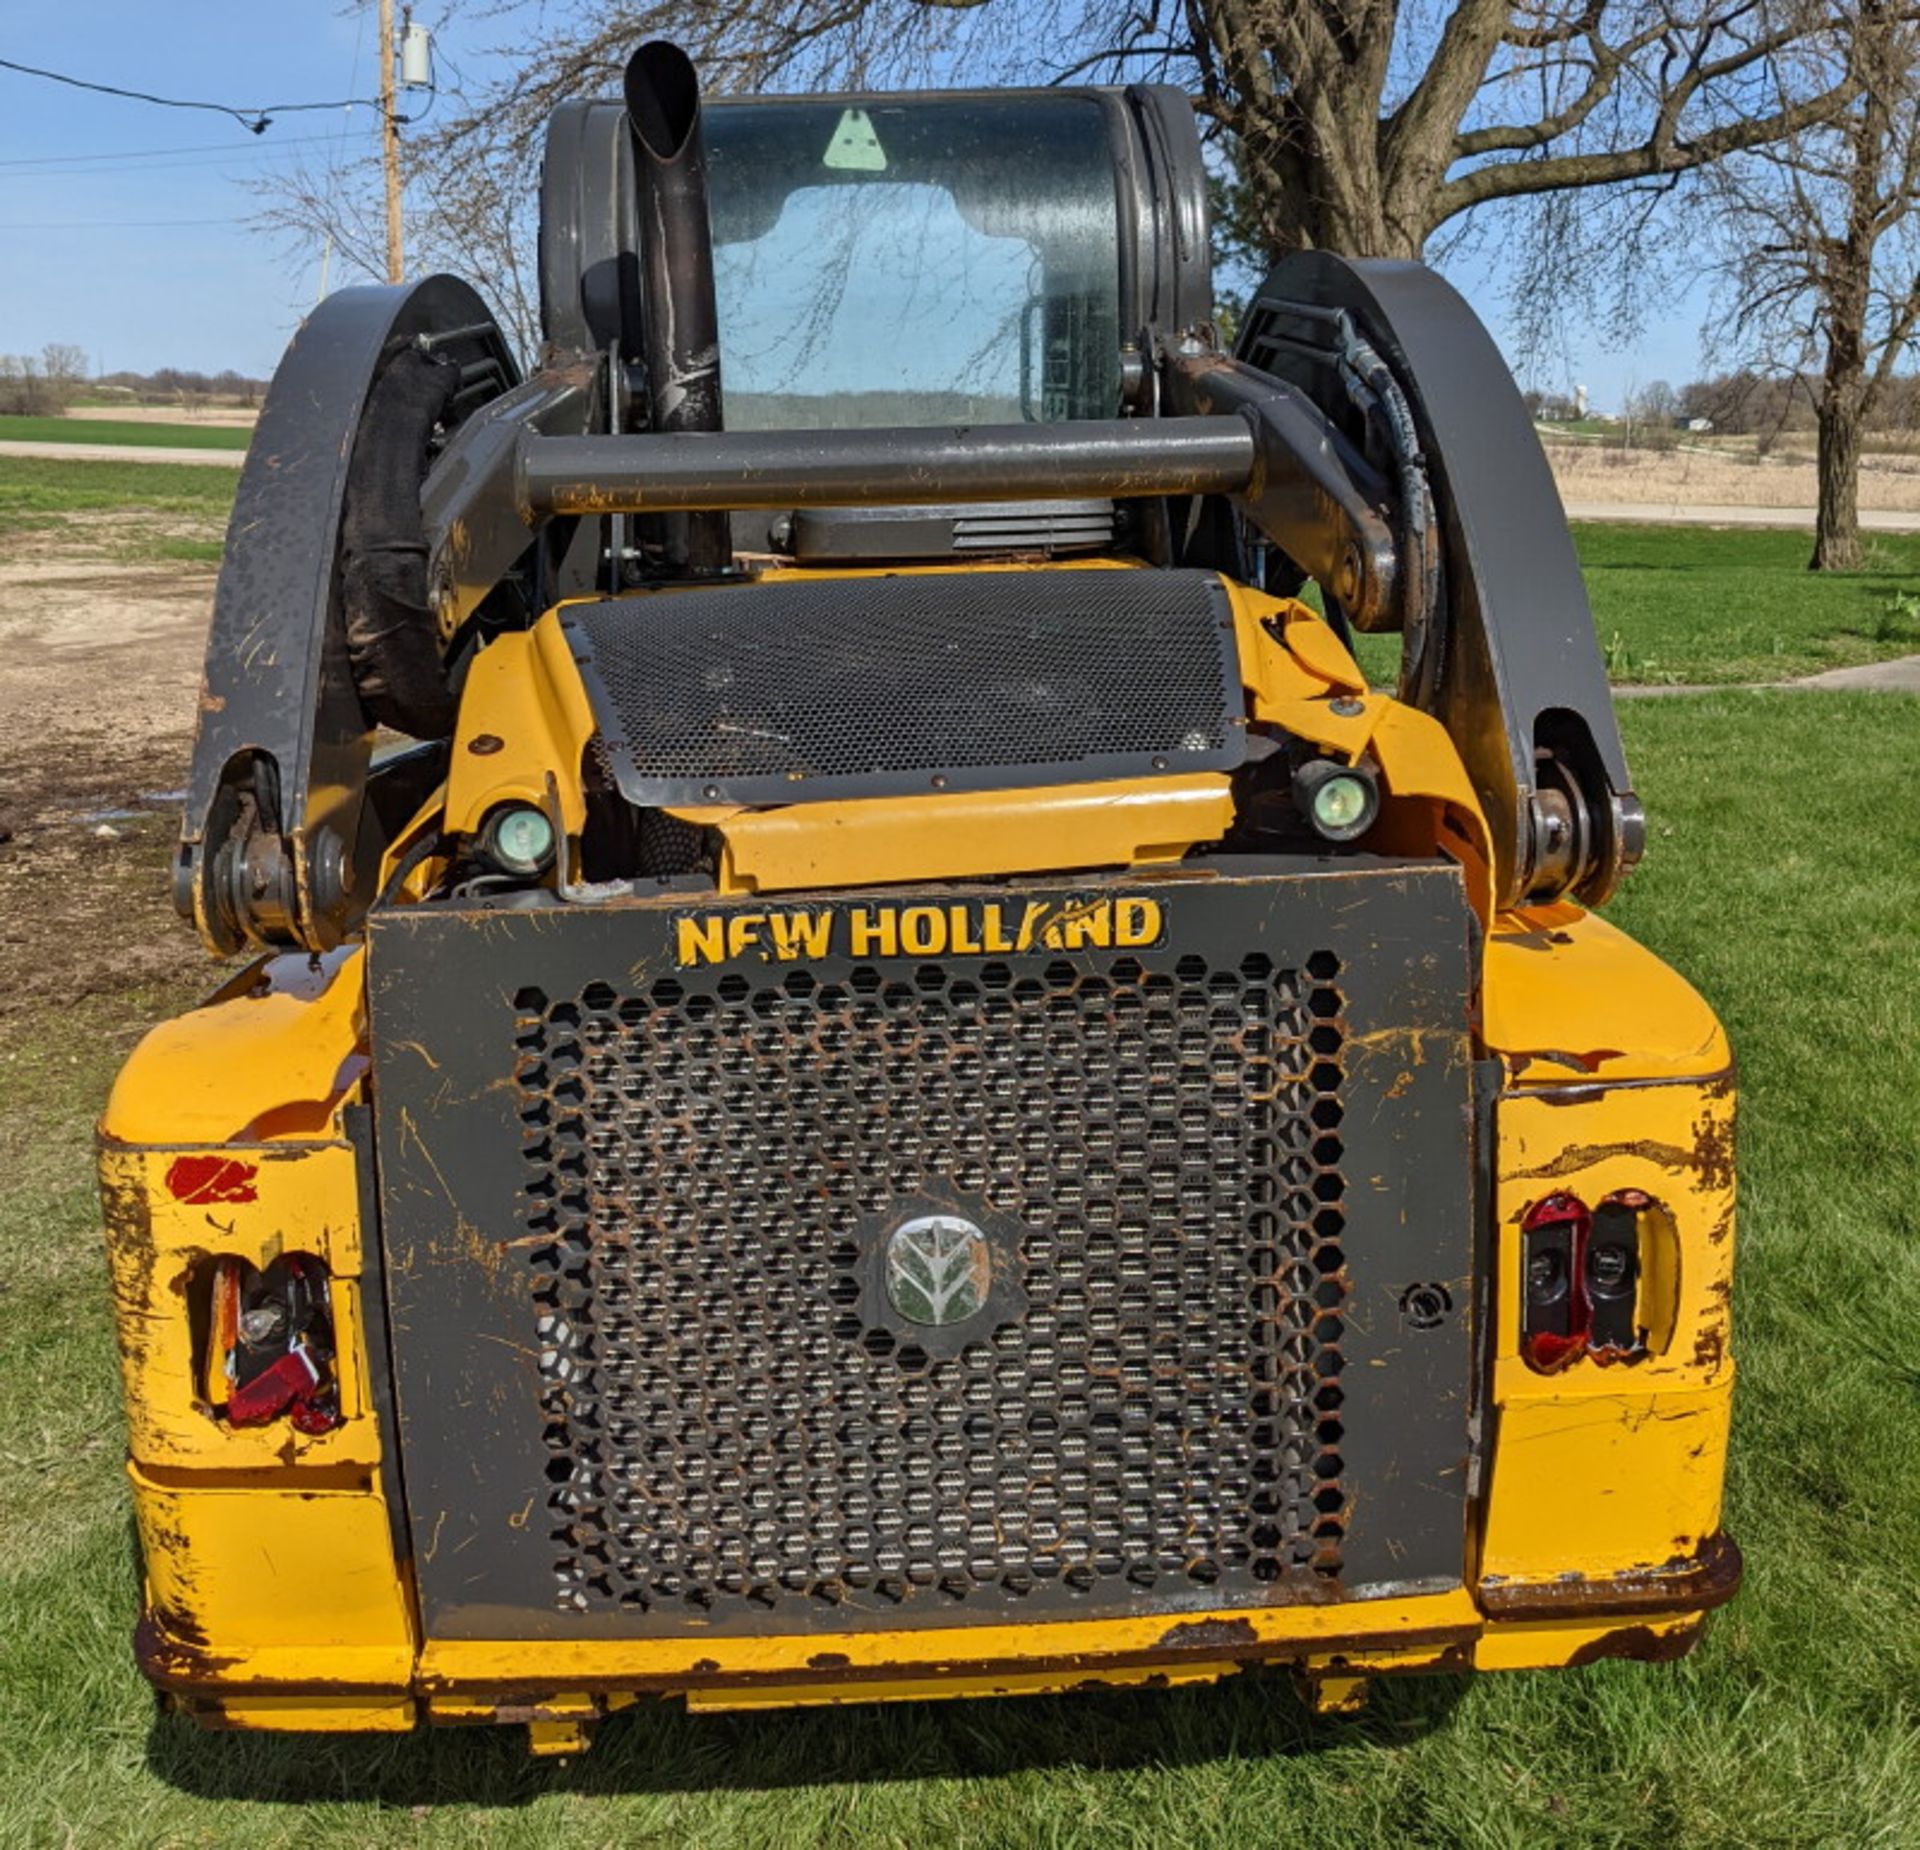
point(735, 1427)
point(865, 686)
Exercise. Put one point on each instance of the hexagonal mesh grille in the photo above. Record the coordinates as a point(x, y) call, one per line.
point(864, 686)
point(729, 1437)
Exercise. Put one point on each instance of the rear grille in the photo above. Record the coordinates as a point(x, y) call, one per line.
point(833, 687)
point(733, 1431)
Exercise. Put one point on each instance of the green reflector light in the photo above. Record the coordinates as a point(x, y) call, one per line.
point(1340, 803)
point(521, 839)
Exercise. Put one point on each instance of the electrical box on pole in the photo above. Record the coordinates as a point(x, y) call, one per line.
point(416, 57)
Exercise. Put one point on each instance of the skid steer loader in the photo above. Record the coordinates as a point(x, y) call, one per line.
point(871, 1068)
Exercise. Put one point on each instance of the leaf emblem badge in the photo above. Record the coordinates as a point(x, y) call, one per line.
point(939, 1269)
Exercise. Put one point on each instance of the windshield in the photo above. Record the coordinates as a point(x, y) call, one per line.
point(915, 262)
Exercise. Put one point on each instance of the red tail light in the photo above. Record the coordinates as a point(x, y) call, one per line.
point(1581, 1280)
point(1557, 1315)
point(270, 1344)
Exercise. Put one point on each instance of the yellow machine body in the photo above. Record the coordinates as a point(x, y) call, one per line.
point(279, 1585)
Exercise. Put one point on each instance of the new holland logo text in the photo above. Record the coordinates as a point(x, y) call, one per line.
point(960, 928)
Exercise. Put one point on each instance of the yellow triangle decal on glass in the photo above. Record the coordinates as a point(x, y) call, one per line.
point(855, 145)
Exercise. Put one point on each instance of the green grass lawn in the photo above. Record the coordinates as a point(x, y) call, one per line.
point(138, 504)
point(1719, 605)
point(131, 431)
point(1783, 876)
point(1709, 606)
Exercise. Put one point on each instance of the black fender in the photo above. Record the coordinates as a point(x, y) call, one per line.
point(279, 846)
point(1511, 667)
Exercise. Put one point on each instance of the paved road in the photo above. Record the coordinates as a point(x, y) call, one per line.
point(1673, 514)
point(123, 452)
point(1900, 676)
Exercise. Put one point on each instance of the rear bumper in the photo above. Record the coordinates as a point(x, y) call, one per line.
point(1652, 1614)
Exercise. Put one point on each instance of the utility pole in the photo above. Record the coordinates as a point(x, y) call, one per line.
point(390, 143)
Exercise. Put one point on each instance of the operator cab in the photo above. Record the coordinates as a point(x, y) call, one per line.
point(881, 261)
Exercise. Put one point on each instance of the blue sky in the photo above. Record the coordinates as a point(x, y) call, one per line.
point(123, 228)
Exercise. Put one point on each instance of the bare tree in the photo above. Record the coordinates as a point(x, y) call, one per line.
point(1824, 250)
point(1358, 125)
point(470, 215)
point(43, 384)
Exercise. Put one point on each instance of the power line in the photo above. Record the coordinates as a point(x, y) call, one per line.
point(114, 224)
point(226, 149)
point(238, 162)
point(256, 121)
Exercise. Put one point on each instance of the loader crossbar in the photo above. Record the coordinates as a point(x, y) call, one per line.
point(887, 467)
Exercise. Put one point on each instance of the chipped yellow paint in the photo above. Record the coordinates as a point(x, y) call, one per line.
point(287, 1587)
point(306, 1199)
point(1607, 1469)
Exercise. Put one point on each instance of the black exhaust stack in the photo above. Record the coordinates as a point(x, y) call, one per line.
point(676, 256)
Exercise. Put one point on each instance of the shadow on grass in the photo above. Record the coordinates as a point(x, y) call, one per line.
point(656, 1747)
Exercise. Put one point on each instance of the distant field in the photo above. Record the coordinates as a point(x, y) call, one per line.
point(1701, 472)
point(132, 431)
point(130, 511)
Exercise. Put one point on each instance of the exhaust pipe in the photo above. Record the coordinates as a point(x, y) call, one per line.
point(676, 257)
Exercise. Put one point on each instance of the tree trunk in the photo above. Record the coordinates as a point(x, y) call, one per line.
point(1329, 196)
point(1848, 263)
point(1836, 540)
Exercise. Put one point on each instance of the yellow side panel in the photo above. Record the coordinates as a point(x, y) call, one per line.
point(296, 1587)
point(1598, 1468)
point(274, 1055)
point(1603, 1483)
point(1570, 998)
point(524, 719)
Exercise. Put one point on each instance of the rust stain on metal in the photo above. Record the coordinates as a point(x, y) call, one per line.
point(1518, 1063)
point(1210, 1634)
point(129, 1225)
point(828, 1660)
point(1713, 1149)
point(1579, 1156)
point(1696, 1583)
